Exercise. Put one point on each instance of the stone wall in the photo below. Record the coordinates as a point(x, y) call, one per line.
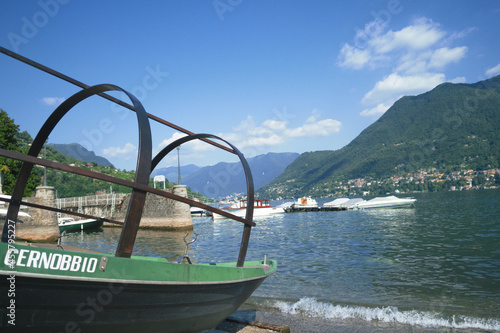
point(94, 205)
point(42, 225)
point(160, 212)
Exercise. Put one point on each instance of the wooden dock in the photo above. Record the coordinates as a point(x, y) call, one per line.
point(313, 209)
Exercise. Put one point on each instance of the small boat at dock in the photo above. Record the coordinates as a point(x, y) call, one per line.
point(70, 224)
point(341, 204)
point(262, 207)
point(304, 204)
point(336, 203)
point(195, 211)
point(385, 202)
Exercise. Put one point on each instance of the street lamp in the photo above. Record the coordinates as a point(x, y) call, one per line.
point(178, 165)
point(45, 168)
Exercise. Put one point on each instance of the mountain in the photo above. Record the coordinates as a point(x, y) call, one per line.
point(79, 152)
point(172, 173)
point(225, 179)
point(453, 126)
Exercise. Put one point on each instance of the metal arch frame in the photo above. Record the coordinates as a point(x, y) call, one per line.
point(110, 179)
point(248, 176)
point(133, 217)
point(139, 187)
point(103, 95)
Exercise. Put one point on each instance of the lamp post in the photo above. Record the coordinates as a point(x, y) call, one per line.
point(178, 165)
point(45, 168)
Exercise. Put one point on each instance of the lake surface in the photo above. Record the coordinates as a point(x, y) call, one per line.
point(437, 264)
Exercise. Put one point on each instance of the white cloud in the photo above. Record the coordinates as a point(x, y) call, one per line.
point(376, 111)
point(191, 146)
point(274, 132)
point(128, 151)
point(376, 47)
point(460, 34)
point(168, 141)
point(251, 137)
point(419, 36)
point(443, 56)
point(415, 57)
point(351, 57)
point(52, 101)
point(320, 128)
point(493, 71)
point(395, 86)
point(458, 79)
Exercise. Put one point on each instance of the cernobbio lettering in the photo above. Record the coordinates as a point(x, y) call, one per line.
point(53, 261)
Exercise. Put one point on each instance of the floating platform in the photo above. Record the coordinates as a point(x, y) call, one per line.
point(313, 209)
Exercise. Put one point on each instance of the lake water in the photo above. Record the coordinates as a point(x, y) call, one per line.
point(437, 264)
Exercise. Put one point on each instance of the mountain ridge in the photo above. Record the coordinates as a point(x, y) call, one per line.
point(437, 129)
point(226, 179)
point(77, 151)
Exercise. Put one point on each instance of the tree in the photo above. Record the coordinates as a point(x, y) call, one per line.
point(10, 167)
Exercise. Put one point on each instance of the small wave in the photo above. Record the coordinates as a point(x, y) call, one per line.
point(312, 308)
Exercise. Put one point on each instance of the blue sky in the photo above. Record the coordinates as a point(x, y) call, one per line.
point(268, 76)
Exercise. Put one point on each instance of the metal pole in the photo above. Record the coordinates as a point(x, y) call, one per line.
point(178, 165)
point(45, 168)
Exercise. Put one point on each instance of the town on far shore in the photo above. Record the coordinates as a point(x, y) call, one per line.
point(429, 180)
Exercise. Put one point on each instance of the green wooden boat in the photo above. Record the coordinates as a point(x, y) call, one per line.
point(69, 290)
point(69, 224)
point(58, 288)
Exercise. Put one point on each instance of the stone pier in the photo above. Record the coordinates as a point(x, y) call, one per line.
point(160, 212)
point(42, 225)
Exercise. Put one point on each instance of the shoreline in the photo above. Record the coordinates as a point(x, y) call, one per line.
point(244, 319)
point(298, 323)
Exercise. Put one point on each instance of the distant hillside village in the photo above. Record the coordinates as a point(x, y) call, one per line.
point(420, 181)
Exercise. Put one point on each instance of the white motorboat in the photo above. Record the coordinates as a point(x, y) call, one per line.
point(70, 224)
point(305, 202)
point(20, 214)
point(385, 202)
point(262, 207)
point(195, 211)
point(351, 203)
point(336, 203)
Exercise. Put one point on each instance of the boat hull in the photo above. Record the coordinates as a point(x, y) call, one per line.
point(257, 212)
point(123, 307)
point(386, 202)
point(80, 225)
point(64, 291)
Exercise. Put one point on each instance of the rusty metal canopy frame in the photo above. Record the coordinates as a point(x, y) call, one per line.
point(145, 164)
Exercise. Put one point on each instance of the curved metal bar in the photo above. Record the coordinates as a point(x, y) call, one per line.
point(248, 176)
point(143, 164)
point(113, 180)
point(106, 96)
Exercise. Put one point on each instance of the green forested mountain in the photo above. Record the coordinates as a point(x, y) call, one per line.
point(77, 151)
point(9, 168)
point(451, 127)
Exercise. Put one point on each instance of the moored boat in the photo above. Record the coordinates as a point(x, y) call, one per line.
point(3, 212)
point(97, 292)
point(70, 224)
point(195, 211)
point(58, 288)
point(262, 207)
point(336, 203)
point(351, 203)
point(342, 204)
point(305, 202)
point(385, 202)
